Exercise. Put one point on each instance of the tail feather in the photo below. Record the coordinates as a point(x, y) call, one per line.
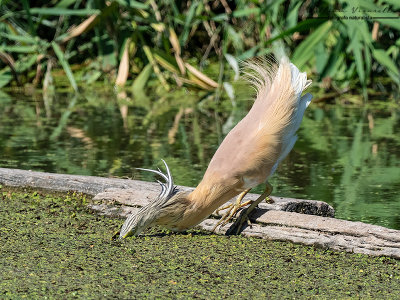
point(299, 80)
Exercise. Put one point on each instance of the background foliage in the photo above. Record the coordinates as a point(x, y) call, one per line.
point(55, 50)
point(345, 44)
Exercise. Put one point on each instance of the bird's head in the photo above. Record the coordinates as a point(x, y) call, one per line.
point(167, 209)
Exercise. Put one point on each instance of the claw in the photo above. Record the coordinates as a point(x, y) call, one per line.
point(233, 209)
point(237, 226)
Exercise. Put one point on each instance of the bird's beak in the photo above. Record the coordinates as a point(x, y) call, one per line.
point(117, 235)
point(136, 223)
point(126, 231)
point(130, 233)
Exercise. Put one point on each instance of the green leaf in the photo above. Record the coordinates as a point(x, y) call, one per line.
point(305, 51)
point(335, 57)
point(5, 78)
point(25, 63)
point(18, 38)
point(65, 3)
point(25, 5)
point(384, 59)
point(133, 4)
point(390, 22)
point(368, 60)
point(64, 63)
point(188, 21)
point(246, 12)
point(356, 46)
point(236, 38)
point(58, 11)
point(359, 63)
point(367, 4)
point(92, 76)
point(273, 9)
point(220, 17)
point(292, 16)
point(166, 61)
point(19, 49)
point(394, 3)
point(140, 81)
point(300, 27)
point(249, 53)
point(321, 56)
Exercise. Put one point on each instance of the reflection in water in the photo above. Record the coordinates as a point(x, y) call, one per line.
point(347, 157)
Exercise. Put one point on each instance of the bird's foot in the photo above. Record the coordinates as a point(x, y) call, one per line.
point(232, 210)
point(244, 216)
point(237, 226)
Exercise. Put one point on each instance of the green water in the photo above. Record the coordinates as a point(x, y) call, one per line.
point(346, 155)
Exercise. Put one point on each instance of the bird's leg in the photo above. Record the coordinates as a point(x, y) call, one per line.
point(233, 208)
point(223, 208)
point(244, 216)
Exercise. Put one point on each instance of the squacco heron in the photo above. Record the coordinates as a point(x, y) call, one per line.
point(247, 157)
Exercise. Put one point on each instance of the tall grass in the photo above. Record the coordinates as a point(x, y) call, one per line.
point(345, 44)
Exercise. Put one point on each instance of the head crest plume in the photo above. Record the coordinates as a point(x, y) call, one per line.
point(135, 223)
point(167, 189)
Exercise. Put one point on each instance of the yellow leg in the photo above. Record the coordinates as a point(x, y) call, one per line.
point(237, 226)
point(233, 208)
point(237, 204)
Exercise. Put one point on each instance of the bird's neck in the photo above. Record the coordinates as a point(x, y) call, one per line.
point(205, 199)
point(211, 196)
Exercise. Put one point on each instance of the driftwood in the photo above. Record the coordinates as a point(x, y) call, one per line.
point(306, 222)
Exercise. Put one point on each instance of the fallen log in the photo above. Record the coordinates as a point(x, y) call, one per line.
point(89, 185)
point(307, 222)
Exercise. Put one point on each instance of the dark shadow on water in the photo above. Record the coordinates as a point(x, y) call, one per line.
point(172, 233)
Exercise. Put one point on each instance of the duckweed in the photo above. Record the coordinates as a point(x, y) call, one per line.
point(52, 246)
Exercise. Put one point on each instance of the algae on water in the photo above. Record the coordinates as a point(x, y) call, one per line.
point(51, 245)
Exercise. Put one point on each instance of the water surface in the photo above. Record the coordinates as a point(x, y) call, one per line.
point(346, 155)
